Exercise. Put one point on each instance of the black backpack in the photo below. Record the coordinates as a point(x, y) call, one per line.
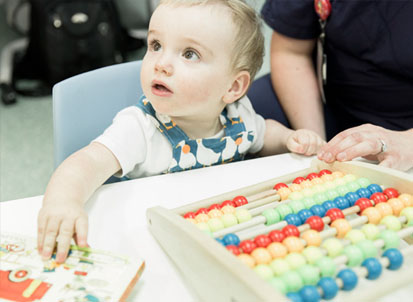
point(68, 37)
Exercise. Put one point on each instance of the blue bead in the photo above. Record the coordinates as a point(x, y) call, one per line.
point(231, 239)
point(342, 202)
point(374, 188)
point(309, 293)
point(329, 287)
point(294, 297)
point(373, 267)
point(318, 210)
point(352, 197)
point(304, 214)
point(349, 278)
point(327, 205)
point(363, 192)
point(293, 219)
point(220, 241)
point(395, 258)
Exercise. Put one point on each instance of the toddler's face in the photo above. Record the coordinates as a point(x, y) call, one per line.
point(186, 70)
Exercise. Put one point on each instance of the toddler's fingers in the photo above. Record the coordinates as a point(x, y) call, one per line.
point(81, 231)
point(294, 146)
point(41, 226)
point(64, 239)
point(50, 235)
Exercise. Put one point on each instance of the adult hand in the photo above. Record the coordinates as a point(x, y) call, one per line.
point(393, 149)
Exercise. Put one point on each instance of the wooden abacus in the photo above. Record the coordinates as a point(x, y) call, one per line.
point(217, 275)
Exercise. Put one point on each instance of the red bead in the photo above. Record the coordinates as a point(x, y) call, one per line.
point(276, 236)
point(298, 180)
point(311, 176)
point(363, 203)
point(214, 206)
point(279, 186)
point(240, 200)
point(391, 193)
point(233, 249)
point(228, 203)
point(315, 222)
point(334, 214)
point(291, 230)
point(201, 210)
point(262, 240)
point(378, 197)
point(190, 215)
point(323, 172)
point(247, 246)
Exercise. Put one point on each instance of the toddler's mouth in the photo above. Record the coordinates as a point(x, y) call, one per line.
point(161, 88)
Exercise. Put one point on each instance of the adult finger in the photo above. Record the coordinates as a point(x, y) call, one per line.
point(64, 239)
point(49, 241)
point(363, 148)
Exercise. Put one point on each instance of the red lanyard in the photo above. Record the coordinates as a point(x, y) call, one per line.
point(322, 8)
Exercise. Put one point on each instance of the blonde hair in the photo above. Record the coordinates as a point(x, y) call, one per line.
point(248, 51)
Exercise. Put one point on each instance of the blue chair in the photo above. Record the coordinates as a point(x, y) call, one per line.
point(85, 105)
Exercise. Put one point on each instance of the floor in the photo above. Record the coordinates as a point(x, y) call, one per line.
point(26, 134)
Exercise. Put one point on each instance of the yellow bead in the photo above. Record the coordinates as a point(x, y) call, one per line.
point(247, 260)
point(295, 187)
point(342, 226)
point(214, 213)
point(373, 215)
point(201, 217)
point(407, 199)
point(228, 210)
point(306, 184)
point(284, 192)
point(293, 244)
point(397, 205)
point(261, 255)
point(312, 237)
point(384, 209)
point(191, 220)
point(327, 177)
point(317, 181)
point(337, 174)
point(277, 250)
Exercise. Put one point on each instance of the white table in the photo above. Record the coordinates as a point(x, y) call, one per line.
point(117, 220)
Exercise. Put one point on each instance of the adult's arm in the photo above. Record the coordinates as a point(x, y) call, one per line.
point(294, 79)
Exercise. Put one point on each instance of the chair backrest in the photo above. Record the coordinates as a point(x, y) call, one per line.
point(85, 105)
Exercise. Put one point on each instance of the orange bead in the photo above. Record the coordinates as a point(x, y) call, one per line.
point(261, 255)
point(337, 174)
point(277, 250)
point(228, 210)
point(397, 205)
point(284, 192)
point(295, 187)
point(306, 184)
point(312, 237)
point(373, 215)
point(214, 213)
point(317, 181)
point(407, 199)
point(247, 260)
point(384, 209)
point(293, 244)
point(202, 217)
point(342, 226)
point(327, 177)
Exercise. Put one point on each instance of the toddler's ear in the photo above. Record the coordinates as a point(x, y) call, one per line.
point(238, 88)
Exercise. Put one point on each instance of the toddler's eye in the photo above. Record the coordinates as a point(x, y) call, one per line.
point(190, 55)
point(155, 45)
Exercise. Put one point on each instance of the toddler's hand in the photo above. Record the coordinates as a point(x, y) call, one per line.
point(305, 142)
point(59, 223)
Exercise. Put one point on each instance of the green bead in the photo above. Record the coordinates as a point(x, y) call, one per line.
point(355, 236)
point(295, 260)
point(331, 194)
point(243, 215)
point(296, 206)
point(312, 254)
point(408, 212)
point(333, 246)
point(319, 198)
point(364, 182)
point(307, 192)
point(391, 239)
point(264, 271)
point(308, 202)
point(309, 274)
point(368, 248)
point(327, 267)
point(283, 210)
point(353, 186)
point(329, 185)
point(229, 220)
point(271, 216)
point(354, 255)
point(292, 280)
point(339, 182)
point(391, 222)
point(371, 231)
point(279, 285)
point(349, 178)
point(295, 196)
point(342, 190)
point(279, 266)
point(215, 224)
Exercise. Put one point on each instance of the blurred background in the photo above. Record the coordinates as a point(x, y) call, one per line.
point(26, 120)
